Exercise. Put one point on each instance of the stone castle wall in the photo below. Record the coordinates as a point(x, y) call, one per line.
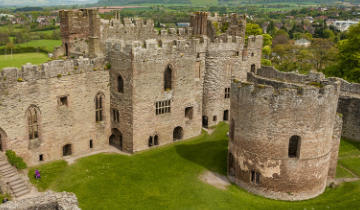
point(42, 87)
point(349, 107)
point(224, 63)
point(143, 70)
point(264, 116)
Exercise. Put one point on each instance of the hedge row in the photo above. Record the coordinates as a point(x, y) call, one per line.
point(19, 49)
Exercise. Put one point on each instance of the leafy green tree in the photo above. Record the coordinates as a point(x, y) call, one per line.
point(349, 56)
point(266, 51)
point(253, 29)
point(267, 39)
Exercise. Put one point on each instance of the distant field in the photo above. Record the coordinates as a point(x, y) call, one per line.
point(17, 60)
point(204, 2)
point(49, 45)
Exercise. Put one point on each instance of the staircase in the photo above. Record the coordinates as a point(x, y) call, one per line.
point(15, 182)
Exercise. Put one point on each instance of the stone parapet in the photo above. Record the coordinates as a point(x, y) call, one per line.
point(56, 68)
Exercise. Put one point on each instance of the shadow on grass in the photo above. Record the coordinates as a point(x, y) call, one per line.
point(354, 143)
point(210, 153)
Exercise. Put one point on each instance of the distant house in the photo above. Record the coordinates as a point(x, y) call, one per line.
point(303, 42)
point(310, 19)
point(183, 25)
point(343, 25)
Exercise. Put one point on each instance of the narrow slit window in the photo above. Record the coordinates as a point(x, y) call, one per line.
point(227, 92)
point(294, 144)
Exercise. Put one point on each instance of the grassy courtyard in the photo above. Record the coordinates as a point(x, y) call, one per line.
point(17, 60)
point(167, 178)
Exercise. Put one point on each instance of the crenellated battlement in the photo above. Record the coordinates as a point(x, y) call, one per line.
point(255, 42)
point(56, 68)
point(151, 47)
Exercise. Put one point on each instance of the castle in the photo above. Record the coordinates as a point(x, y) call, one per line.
point(127, 85)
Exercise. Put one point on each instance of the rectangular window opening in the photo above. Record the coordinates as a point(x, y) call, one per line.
point(162, 107)
point(41, 157)
point(227, 92)
point(189, 112)
point(63, 101)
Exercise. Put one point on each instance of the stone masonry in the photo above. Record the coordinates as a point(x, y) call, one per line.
point(125, 84)
point(268, 113)
point(51, 111)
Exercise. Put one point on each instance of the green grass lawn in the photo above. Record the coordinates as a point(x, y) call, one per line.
point(167, 178)
point(342, 173)
point(17, 60)
point(48, 45)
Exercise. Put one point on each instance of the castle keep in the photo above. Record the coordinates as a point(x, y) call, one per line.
point(124, 84)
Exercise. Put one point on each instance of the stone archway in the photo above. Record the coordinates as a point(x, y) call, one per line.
point(178, 133)
point(115, 139)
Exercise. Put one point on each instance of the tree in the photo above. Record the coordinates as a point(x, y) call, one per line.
point(349, 56)
point(281, 37)
point(253, 29)
point(323, 52)
point(266, 51)
point(267, 40)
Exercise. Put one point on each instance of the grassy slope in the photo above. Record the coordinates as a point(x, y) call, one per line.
point(349, 157)
point(17, 60)
point(167, 178)
point(49, 45)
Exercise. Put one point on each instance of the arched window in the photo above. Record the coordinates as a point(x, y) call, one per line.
point(253, 68)
point(116, 139)
point(178, 133)
point(33, 122)
point(150, 143)
point(99, 105)
point(168, 78)
point(120, 84)
point(294, 147)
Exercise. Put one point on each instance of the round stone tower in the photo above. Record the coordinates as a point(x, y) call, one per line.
point(281, 136)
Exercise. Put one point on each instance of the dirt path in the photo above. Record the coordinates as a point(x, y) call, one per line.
point(215, 179)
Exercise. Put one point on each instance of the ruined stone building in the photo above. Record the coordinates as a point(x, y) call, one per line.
point(124, 84)
point(285, 133)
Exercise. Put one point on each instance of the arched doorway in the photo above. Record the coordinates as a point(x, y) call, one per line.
point(205, 121)
point(178, 133)
point(67, 150)
point(3, 137)
point(115, 139)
